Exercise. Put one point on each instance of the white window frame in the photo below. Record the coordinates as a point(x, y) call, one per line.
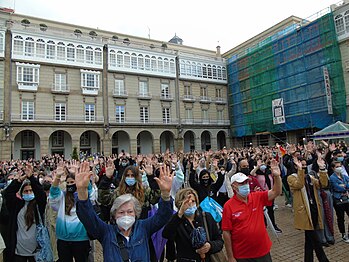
point(143, 88)
point(189, 115)
point(26, 71)
point(166, 115)
point(90, 112)
point(60, 112)
point(120, 113)
point(90, 76)
point(28, 110)
point(144, 114)
point(119, 87)
point(60, 84)
point(165, 90)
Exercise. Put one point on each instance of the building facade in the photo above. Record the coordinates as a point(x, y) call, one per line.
point(287, 82)
point(64, 86)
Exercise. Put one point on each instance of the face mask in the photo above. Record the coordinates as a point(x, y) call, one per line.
point(223, 172)
point(190, 211)
point(9, 182)
point(340, 158)
point(124, 164)
point(71, 188)
point(41, 180)
point(245, 171)
point(130, 181)
point(205, 182)
point(338, 170)
point(46, 186)
point(263, 167)
point(125, 222)
point(244, 190)
point(28, 197)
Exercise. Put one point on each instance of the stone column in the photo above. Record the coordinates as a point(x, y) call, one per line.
point(156, 146)
point(44, 147)
point(133, 146)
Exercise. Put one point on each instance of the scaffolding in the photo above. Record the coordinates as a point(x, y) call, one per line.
point(292, 68)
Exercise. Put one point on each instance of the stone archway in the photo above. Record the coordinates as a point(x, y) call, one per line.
point(189, 141)
point(205, 141)
point(145, 143)
point(90, 142)
point(60, 142)
point(120, 141)
point(27, 145)
point(221, 140)
point(167, 141)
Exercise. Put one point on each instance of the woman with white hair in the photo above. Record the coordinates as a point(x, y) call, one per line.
point(128, 239)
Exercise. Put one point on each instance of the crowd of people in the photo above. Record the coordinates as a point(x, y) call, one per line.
point(178, 206)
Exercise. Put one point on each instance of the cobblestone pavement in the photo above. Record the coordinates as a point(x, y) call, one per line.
point(290, 247)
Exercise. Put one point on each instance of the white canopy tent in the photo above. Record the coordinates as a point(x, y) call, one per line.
point(338, 130)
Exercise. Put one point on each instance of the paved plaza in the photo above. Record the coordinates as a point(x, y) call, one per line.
point(291, 242)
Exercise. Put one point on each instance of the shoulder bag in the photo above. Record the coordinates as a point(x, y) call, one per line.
point(43, 252)
point(220, 255)
point(122, 247)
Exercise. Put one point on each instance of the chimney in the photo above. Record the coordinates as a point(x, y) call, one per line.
point(218, 52)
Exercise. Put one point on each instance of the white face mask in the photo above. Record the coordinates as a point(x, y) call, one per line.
point(125, 222)
point(41, 180)
point(338, 170)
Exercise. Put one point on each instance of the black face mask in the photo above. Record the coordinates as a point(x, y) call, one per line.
point(245, 171)
point(205, 182)
point(46, 186)
point(71, 188)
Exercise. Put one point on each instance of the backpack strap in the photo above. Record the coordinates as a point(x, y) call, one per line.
point(123, 250)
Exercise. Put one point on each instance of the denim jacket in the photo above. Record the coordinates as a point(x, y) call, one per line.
point(336, 185)
point(137, 246)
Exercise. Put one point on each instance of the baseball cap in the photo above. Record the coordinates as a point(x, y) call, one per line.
point(238, 177)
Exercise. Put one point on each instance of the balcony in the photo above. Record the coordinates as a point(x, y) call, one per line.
point(220, 100)
point(188, 98)
point(166, 97)
point(52, 118)
point(90, 91)
point(202, 121)
point(144, 96)
point(120, 93)
point(60, 89)
point(205, 99)
point(25, 86)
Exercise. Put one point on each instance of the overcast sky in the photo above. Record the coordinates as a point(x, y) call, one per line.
point(200, 23)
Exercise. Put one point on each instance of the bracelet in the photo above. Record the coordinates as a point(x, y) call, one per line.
point(166, 197)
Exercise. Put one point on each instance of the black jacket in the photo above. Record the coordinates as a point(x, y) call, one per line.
point(14, 205)
point(179, 229)
point(203, 191)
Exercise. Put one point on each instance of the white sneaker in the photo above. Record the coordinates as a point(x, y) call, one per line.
point(345, 238)
point(275, 207)
point(289, 205)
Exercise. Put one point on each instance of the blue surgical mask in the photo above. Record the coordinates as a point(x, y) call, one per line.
point(190, 211)
point(244, 190)
point(263, 167)
point(340, 158)
point(28, 197)
point(124, 163)
point(130, 181)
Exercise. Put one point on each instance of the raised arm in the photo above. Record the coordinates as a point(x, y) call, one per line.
point(276, 190)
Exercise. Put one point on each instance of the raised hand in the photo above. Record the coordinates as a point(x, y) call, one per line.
point(321, 163)
point(60, 169)
point(74, 166)
point(28, 171)
point(298, 164)
point(109, 170)
point(275, 169)
point(165, 179)
point(332, 147)
point(82, 179)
